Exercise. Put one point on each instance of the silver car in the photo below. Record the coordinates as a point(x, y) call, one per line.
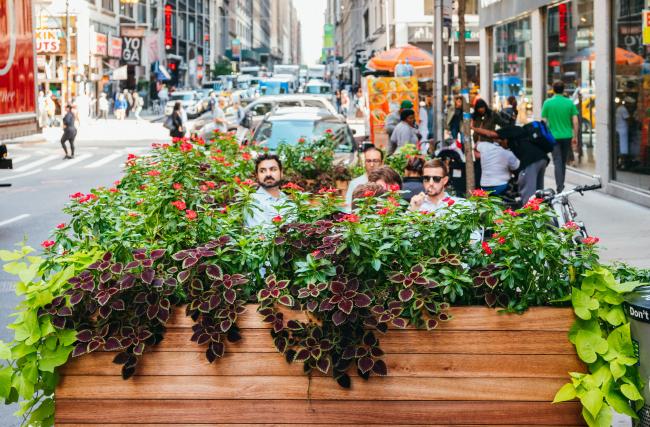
point(190, 100)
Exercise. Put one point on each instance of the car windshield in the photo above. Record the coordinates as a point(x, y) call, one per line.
point(273, 88)
point(317, 90)
point(181, 97)
point(272, 134)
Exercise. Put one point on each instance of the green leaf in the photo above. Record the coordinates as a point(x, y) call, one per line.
point(24, 386)
point(617, 401)
point(591, 325)
point(44, 411)
point(376, 264)
point(21, 350)
point(15, 267)
point(5, 381)
point(588, 345)
point(583, 303)
point(67, 336)
point(617, 369)
point(567, 392)
point(29, 369)
point(604, 418)
point(50, 359)
point(593, 401)
point(623, 287)
point(5, 351)
point(10, 255)
point(26, 275)
point(616, 316)
point(631, 392)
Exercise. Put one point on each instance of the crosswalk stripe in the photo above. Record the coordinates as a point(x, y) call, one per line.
point(104, 160)
point(20, 158)
point(36, 163)
point(14, 219)
point(35, 171)
point(70, 162)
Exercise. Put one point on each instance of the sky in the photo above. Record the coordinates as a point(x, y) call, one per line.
point(311, 14)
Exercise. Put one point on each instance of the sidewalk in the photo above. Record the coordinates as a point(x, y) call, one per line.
point(623, 227)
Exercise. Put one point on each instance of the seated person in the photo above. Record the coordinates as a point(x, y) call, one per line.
point(268, 200)
point(435, 178)
point(406, 132)
point(386, 177)
point(497, 165)
point(412, 181)
point(367, 190)
point(373, 158)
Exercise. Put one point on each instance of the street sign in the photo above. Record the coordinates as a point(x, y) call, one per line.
point(646, 27)
point(236, 48)
point(131, 50)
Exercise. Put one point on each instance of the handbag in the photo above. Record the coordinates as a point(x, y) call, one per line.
point(169, 123)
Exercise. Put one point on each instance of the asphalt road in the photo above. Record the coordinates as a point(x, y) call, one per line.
point(42, 182)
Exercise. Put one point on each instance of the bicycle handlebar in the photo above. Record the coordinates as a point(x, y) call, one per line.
point(583, 188)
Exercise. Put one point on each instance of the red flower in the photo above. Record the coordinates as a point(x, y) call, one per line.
point(155, 145)
point(511, 212)
point(185, 147)
point(61, 226)
point(301, 140)
point(266, 149)
point(383, 211)
point(315, 253)
point(203, 187)
point(179, 204)
point(47, 244)
point(210, 184)
point(394, 187)
point(591, 240)
point(139, 202)
point(368, 193)
point(349, 218)
point(479, 193)
point(292, 186)
point(177, 186)
point(113, 190)
point(224, 210)
point(131, 157)
point(392, 201)
point(328, 130)
point(449, 201)
point(237, 180)
point(248, 182)
point(190, 214)
point(246, 156)
point(309, 159)
point(499, 239)
point(327, 190)
point(134, 214)
point(165, 146)
point(87, 197)
point(76, 195)
point(143, 187)
point(571, 225)
point(116, 183)
point(277, 219)
point(153, 172)
point(486, 248)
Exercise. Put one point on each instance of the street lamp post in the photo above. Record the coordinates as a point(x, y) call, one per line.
point(438, 72)
point(67, 53)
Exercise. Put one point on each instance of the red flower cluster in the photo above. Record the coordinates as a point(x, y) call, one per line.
point(368, 193)
point(449, 201)
point(190, 214)
point(179, 204)
point(591, 240)
point(292, 186)
point(486, 248)
point(83, 198)
point(113, 190)
point(309, 159)
point(47, 244)
point(134, 214)
point(277, 219)
point(349, 218)
point(328, 130)
point(116, 183)
point(143, 187)
point(177, 186)
point(571, 225)
point(479, 193)
point(153, 172)
point(383, 211)
point(394, 187)
point(203, 187)
point(210, 184)
point(246, 156)
point(301, 140)
point(511, 212)
point(499, 239)
point(131, 156)
point(61, 226)
point(248, 182)
point(534, 203)
point(185, 147)
point(327, 190)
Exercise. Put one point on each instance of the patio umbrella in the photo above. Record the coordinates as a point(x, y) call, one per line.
point(621, 56)
point(387, 60)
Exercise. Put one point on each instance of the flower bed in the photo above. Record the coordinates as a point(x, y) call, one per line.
point(170, 233)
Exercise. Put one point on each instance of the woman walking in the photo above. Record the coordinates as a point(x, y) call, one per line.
point(69, 131)
point(177, 130)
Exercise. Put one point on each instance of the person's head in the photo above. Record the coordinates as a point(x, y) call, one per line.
point(481, 108)
point(414, 166)
point(407, 116)
point(405, 105)
point(386, 177)
point(512, 101)
point(102, 95)
point(268, 170)
point(40, 93)
point(428, 100)
point(369, 189)
point(373, 158)
point(177, 106)
point(359, 93)
point(69, 107)
point(558, 87)
point(459, 101)
point(434, 177)
point(222, 102)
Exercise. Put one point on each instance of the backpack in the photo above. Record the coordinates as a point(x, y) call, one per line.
point(540, 135)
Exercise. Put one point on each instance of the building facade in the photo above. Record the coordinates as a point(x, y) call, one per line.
point(599, 50)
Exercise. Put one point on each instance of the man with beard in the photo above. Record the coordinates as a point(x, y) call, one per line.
point(434, 197)
point(268, 201)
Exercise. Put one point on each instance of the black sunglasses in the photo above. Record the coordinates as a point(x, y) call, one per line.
point(435, 179)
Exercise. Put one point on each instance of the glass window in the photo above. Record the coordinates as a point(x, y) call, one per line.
point(108, 5)
point(631, 91)
point(261, 108)
point(142, 11)
point(512, 65)
point(571, 59)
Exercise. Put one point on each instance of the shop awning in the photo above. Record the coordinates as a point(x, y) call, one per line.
point(388, 60)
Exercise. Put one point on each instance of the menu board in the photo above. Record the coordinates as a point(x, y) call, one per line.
point(385, 94)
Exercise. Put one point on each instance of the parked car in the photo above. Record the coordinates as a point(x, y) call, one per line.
point(288, 125)
point(190, 100)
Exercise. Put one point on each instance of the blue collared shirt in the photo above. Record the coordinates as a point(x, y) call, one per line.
point(265, 207)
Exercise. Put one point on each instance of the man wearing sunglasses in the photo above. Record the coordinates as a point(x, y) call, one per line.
point(434, 178)
point(373, 158)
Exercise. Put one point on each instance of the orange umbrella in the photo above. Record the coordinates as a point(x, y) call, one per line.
point(387, 60)
point(625, 57)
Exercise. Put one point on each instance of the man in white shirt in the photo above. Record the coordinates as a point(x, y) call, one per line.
point(219, 116)
point(434, 178)
point(373, 158)
point(269, 203)
point(623, 126)
point(497, 165)
point(405, 132)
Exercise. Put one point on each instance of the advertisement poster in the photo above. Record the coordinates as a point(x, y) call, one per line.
point(385, 94)
point(17, 84)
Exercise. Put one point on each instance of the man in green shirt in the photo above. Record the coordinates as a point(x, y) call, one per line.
point(561, 115)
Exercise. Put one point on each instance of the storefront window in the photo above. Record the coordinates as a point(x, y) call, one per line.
point(631, 91)
point(571, 59)
point(512, 65)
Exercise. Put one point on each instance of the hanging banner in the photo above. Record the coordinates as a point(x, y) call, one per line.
point(114, 47)
point(646, 27)
point(100, 46)
point(131, 50)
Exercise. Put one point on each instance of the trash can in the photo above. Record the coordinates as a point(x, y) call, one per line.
point(638, 308)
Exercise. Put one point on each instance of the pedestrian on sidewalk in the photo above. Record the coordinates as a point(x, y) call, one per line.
point(178, 129)
point(497, 165)
point(138, 103)
point(219, 116)
point(42, 110)
point(103, 106)
point(50, 107)
point(561, 115)
point(405, 132)
point(345, 103)
point(120, 107)
point(393, 118)
point(69, 131)
point(455, 117)
point(128, 96)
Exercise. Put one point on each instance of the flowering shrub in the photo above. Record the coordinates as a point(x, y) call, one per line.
point(398, 160)
point(308, 158)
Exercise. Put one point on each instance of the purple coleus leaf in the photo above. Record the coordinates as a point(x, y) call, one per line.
point(365, 364)
point(431, 324)
point(339, 318)
point(311, 306)
point(362, 300)
point(380, 368)
point(399, 322)
point(183, 275)
point(138, 349)
point(79, 349)
point(147, 276)
point(157, 253)
point(64, 311)
point(346, 306)
point(492, 282)
point(105, 311)
point(396, 277)
point(76, 298)
point(112, 344)
point(324, 364)
point(230, 296)
point(189, 262)
point(84, 336)
point(286, 300)
point(214, 272)
point(302, 355)
point(405, 295)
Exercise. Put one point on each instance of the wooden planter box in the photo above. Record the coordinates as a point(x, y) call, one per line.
point(480, 368)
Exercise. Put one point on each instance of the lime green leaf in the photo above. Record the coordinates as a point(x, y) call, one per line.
point(50, 359)
point(567, 392)
point(620, 343)
point(600, 374)
point(604, 418)
point(617, 401)
point(10, 255)
point(67, 336)
point(47, 327)
point(593, 401)
point(589, 344)
point(616, 316)
point(44, 411)
point(612, 298)
point(631, 392)
point(27, 275)
point(624, 287)
point(29, 369)
point(21, 350)
point(15, 267)
point(5, 351)
point(5, 381)
point(24, 386)
point(617, 369)
point(583, 303)
point(591, 325)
